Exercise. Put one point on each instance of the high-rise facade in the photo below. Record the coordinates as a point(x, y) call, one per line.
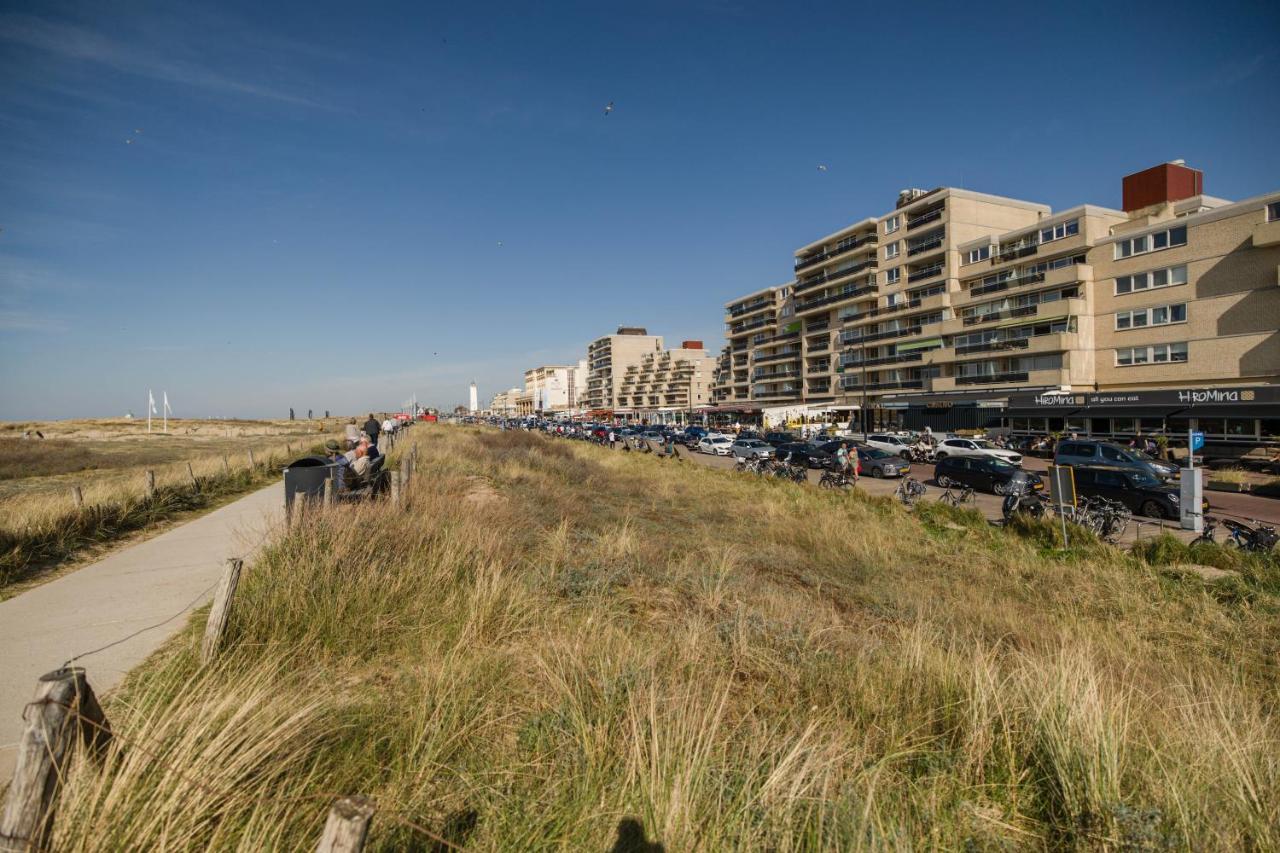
point(607, 361)
point(943, 308)
point(668, 384)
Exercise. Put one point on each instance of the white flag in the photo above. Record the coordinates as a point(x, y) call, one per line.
point(151, 401)
point(167, 410)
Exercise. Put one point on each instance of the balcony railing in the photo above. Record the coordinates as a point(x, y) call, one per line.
point(820, 346)
point(775, 374)
point(838, 249)
point(987, 317)
point(1005, 284)
point(739, 310)
point(896, 384)
point(925, 218)
point(835, 297)
point(993, 346)
point(754, 324)
point(822, 278)
point(820, 368)
point(778, 356)
point(992, 378)
point(880, 336)
point(927, 272)
point(1017, 250)
point(926, 246)
point(820, 326)
point(884, 359)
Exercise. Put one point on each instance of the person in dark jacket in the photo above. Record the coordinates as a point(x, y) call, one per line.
point(372, 428)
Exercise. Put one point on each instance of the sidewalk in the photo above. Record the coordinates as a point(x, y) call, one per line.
point(131, 589)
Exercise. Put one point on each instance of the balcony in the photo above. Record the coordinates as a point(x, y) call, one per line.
point(927, 245)
point(1005, 284)
point(880, 336)
point(993, 346)
point(925, 218)
point(896, 358)
point(843, 296)
point(993, 378)
point(778, 356)
point(896, 384)
point(819, 326)
point(825, 277)
point(836, 251)
point(926, 273)
point(1005, 314)
point(824, 367)
point(754, 324)
point(759, 376)
point(821, 346)
point(1013, 252)
point(751, 307)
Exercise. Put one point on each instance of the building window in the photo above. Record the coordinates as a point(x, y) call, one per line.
point(975, 255)
point(1273, 211)
point(1161, 315)
point(1152, 242)
point(892, 276)
point(891, 250)
point(891, 224)
point(1157, 354)
point(1150, 280)
point(1059, 231)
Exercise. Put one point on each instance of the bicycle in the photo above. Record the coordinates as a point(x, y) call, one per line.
point(956, 494)
point(835, 480)
point(909, 491)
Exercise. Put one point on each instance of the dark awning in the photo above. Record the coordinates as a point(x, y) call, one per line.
point(1131, 411)
point(1251, 410)
point(1064, 412)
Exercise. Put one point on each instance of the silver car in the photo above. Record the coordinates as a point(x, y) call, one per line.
point(751, 448)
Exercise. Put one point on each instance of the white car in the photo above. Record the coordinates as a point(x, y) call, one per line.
point(890, 444)
point(977, 447)
point(716, 445)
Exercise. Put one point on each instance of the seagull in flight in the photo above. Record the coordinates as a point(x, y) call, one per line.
point(608, 108)
point(822, 167)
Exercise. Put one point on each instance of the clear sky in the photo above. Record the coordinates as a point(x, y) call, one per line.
point(332, 206)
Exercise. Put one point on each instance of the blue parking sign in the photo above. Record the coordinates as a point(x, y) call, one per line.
point(1197, 440)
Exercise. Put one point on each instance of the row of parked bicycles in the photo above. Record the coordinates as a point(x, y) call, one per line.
point(766, 467)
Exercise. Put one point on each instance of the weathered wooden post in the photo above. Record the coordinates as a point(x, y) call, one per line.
point(404, 472)
point(149, 484)
point(252, 464)
point(77, 495)
point(288, 448)
point(195, 484)
point(64, 708)
point(226, 465)
point(395, 488)
point(329, 496)
point(220, 612)
point(347, 826)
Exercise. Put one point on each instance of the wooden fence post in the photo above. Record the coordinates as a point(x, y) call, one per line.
point(328, 492)
point(404, 472)
point(252, 464)
point(195, 484)
point(149, 484)
point(347, 826)
point(220, 612)
point(226, 464)
point(64, 708)
point(77, 495)
point(395, 488)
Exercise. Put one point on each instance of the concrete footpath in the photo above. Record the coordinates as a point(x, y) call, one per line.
point(131, 589)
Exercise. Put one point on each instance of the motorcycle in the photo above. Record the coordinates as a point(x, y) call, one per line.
point(1019, 502)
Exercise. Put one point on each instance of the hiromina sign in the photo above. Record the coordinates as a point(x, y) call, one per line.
point(1186, 398)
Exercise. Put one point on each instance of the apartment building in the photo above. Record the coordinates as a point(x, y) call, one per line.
point(549, 388)
point(666, 385)
point(763, 353)
point(957, 305)
point(607, 360)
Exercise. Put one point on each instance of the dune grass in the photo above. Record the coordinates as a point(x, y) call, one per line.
point(556, 647)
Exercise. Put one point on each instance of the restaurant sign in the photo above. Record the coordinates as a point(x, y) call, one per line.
point(1187, 398)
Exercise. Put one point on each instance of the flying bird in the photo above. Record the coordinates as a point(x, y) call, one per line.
point(128, 142)
point(821, 168)
point(499, 244)
point(608, 108)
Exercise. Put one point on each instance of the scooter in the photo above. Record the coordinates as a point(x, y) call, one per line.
point(1020, 503)
point(1259, 539)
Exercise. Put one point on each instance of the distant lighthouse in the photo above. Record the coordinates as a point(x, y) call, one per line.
point(475, 399)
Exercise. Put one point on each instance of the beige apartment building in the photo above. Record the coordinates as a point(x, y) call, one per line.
point(667, 384)
point(957, 306)
point(761, 361)
point(608, 359)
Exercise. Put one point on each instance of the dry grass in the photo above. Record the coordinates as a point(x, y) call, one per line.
point(40, 524)
point(613, 646)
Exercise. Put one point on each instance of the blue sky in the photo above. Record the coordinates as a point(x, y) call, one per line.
point(258, 206)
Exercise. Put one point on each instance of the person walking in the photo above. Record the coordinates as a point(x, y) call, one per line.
point(613, 439)
point(372, 428)
point(842, 458)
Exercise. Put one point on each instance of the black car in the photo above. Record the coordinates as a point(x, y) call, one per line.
point(777, 439)
point(1142, 492)
point(986, 474)
point(807, 454)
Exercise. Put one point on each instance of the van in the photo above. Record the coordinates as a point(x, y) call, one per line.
point(1080, 452)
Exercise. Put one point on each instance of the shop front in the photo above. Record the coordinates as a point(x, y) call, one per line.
point(1233, 420)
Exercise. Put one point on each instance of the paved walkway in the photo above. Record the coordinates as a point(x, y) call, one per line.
point(131, 589)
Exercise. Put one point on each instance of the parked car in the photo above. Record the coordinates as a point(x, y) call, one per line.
point(1076, 452)
point(892, 444)
point(653, 435)
point(716, 445)
point(877, 463)
point(693, 434)
point(830, 447)
point(751, 448)
point(1141, 491)
point(977, 448)
point(984, 473)
point(799, 453)
point(777, 438)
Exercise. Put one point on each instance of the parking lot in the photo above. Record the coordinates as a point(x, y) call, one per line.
point(1236, 505)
